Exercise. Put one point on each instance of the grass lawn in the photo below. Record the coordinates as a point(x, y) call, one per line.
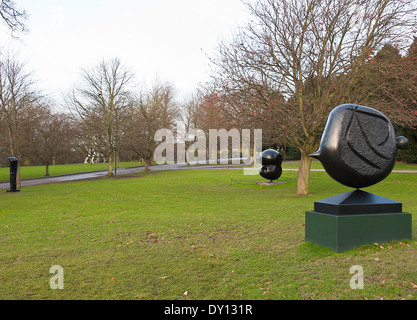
point(317, 165)
point(30, 172)
point(158, 235)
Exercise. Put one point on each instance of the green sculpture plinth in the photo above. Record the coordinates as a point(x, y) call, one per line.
point(350, 226)
point(341, 233)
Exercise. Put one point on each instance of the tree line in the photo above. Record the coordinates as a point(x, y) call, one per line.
point(283, 72)
point(105, 117)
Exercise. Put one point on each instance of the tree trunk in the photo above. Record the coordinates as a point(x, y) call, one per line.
point(110, 171)
point(147, 162)
point(47, 169)
point(304, 174)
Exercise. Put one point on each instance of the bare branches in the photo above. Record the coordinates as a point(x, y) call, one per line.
point(304, 50)
point(150, 111)
point(17, 94)
point(17, 97)
point(13, 17)
point(99, 103)
point(50, 135)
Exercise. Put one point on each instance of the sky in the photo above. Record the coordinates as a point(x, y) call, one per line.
point(166, 39)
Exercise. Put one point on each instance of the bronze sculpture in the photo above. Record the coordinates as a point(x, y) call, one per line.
point(358, 149)
point(271, 161)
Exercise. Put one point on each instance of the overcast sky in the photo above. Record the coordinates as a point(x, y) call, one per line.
point(168, 39)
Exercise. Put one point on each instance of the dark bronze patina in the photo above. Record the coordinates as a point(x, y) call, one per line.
point(358, 148)
point(271, 165)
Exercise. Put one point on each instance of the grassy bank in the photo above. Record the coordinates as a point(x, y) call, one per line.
point(162, 234)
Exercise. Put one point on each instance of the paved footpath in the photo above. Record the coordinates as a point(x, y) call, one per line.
point(98, 174)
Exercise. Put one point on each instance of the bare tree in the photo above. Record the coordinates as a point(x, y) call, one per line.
point(188, 114)
point(84, 140)
point(99, 103)
point(13, 17)
point(151, 111)
point(388, 82)
point(49, 135)
point(17, 97)
point(302, 50)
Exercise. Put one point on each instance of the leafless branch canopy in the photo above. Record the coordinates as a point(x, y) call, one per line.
point(296, 58)
point(300, 48)
point(13, 17)
point(99, 101)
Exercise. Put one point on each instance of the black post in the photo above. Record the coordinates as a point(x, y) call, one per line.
point(13, 174)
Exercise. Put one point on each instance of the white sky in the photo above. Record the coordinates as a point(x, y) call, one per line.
point(168, 39)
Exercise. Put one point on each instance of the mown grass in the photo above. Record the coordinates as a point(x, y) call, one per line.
point(30, 172)
point(161, 234)
point(317, 165)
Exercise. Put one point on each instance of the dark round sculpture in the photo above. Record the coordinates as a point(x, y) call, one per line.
point(358, 147)
point(271, 161)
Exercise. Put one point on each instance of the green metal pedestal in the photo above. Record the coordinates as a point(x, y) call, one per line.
point(343, 232)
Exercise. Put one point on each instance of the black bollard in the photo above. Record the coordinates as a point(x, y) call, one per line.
point(13, 174)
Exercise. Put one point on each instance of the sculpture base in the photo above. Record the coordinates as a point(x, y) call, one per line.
point(268, 184)
point(356, 218)
point(341, 233)
point(12, 190)
point(357, 202)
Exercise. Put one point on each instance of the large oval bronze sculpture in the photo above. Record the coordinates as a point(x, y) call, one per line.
point(358, 147)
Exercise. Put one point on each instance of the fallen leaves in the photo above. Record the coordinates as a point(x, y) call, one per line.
point(387, 246)
point(391, 245)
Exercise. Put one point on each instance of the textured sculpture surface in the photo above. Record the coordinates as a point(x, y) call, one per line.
point(358, 148)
